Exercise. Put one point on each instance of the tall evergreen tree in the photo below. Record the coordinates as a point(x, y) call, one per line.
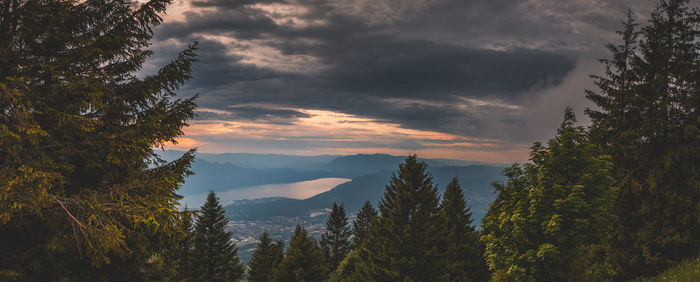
point(174, 263)
point(403, 244)
point(648, 121)
point(463, 253)
point(215, 255)
point(506, 231)
point(265, 260)
point(184, 250)
point(352, 268)
point(335, 242)
point(361, 227)
point(83, 194)
point(552, 211)
point(303, 260)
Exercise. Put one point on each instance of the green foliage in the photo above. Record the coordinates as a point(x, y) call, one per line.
point(182, 254)
point(404, 245)
point(83, 194)
point(686, 271)
point(303, 260)
point(462, 254)
point(335, 242)
point(215, 255)
point(352, 268)
point(648, 122)
point(265, 260)
point(174, 261)
point(361, 227)
point(551, 212)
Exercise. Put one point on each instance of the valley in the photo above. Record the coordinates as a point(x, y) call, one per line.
point(293, 190)
point(276, 192)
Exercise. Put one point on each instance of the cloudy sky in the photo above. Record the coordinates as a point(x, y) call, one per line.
point(465, 79)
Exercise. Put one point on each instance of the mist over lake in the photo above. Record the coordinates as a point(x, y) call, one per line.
point(294, 190)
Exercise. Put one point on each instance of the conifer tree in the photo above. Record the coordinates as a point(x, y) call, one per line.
point(551, 211)
point(84, 196)
point(303, 260)
point(352, 268)
point(184, 250)
point(335, 242)
point(215, 255)
point(362, 225)
point(648, 121)
point(463, 253)
point(265, 260)
point(404, 245)
point(506, 230)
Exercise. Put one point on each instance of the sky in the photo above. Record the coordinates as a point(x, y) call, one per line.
point(464, 79)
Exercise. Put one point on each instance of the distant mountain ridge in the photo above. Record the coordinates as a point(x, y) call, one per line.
point(361, 164)
point(475, 181)
point(222, 177)
point(222, 172)
point(369, 173)
point(259, 161)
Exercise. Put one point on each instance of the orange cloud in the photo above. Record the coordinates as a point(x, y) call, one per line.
point(335, 131)
point(184, 143)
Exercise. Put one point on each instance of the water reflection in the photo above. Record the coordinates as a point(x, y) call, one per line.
point(294, 190)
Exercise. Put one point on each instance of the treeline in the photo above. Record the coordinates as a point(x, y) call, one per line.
point(84, 197)
point(414, 235)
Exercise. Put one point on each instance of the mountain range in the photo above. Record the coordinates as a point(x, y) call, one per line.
point(369, 173)
point(475, 181)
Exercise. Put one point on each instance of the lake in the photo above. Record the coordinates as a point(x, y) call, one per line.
point(294, 190)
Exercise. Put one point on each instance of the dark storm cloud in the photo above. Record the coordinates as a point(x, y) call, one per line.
point(228, 4)
point(242, 22)
point(415, 63)
point(216, 68)
point(409, 69)
point(544, 24)
point(366, 87)
point(427, 70)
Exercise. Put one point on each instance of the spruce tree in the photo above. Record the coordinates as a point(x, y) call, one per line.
point(265, 260)
point(84, 196)
point(352, 268)
point(303, 260)
point(506, 227)
point(335, 242)
point(647, 120)
point(404, 245)
point(463, 253)
point(551, 212)
point(184, 250)
point(215, 255)
point(362, 225)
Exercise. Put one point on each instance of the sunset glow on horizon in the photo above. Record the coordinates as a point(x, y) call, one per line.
point(342, 134)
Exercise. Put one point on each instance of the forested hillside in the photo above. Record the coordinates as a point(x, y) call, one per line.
point(370, 188)
point(222, 172)
point(221, 177)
